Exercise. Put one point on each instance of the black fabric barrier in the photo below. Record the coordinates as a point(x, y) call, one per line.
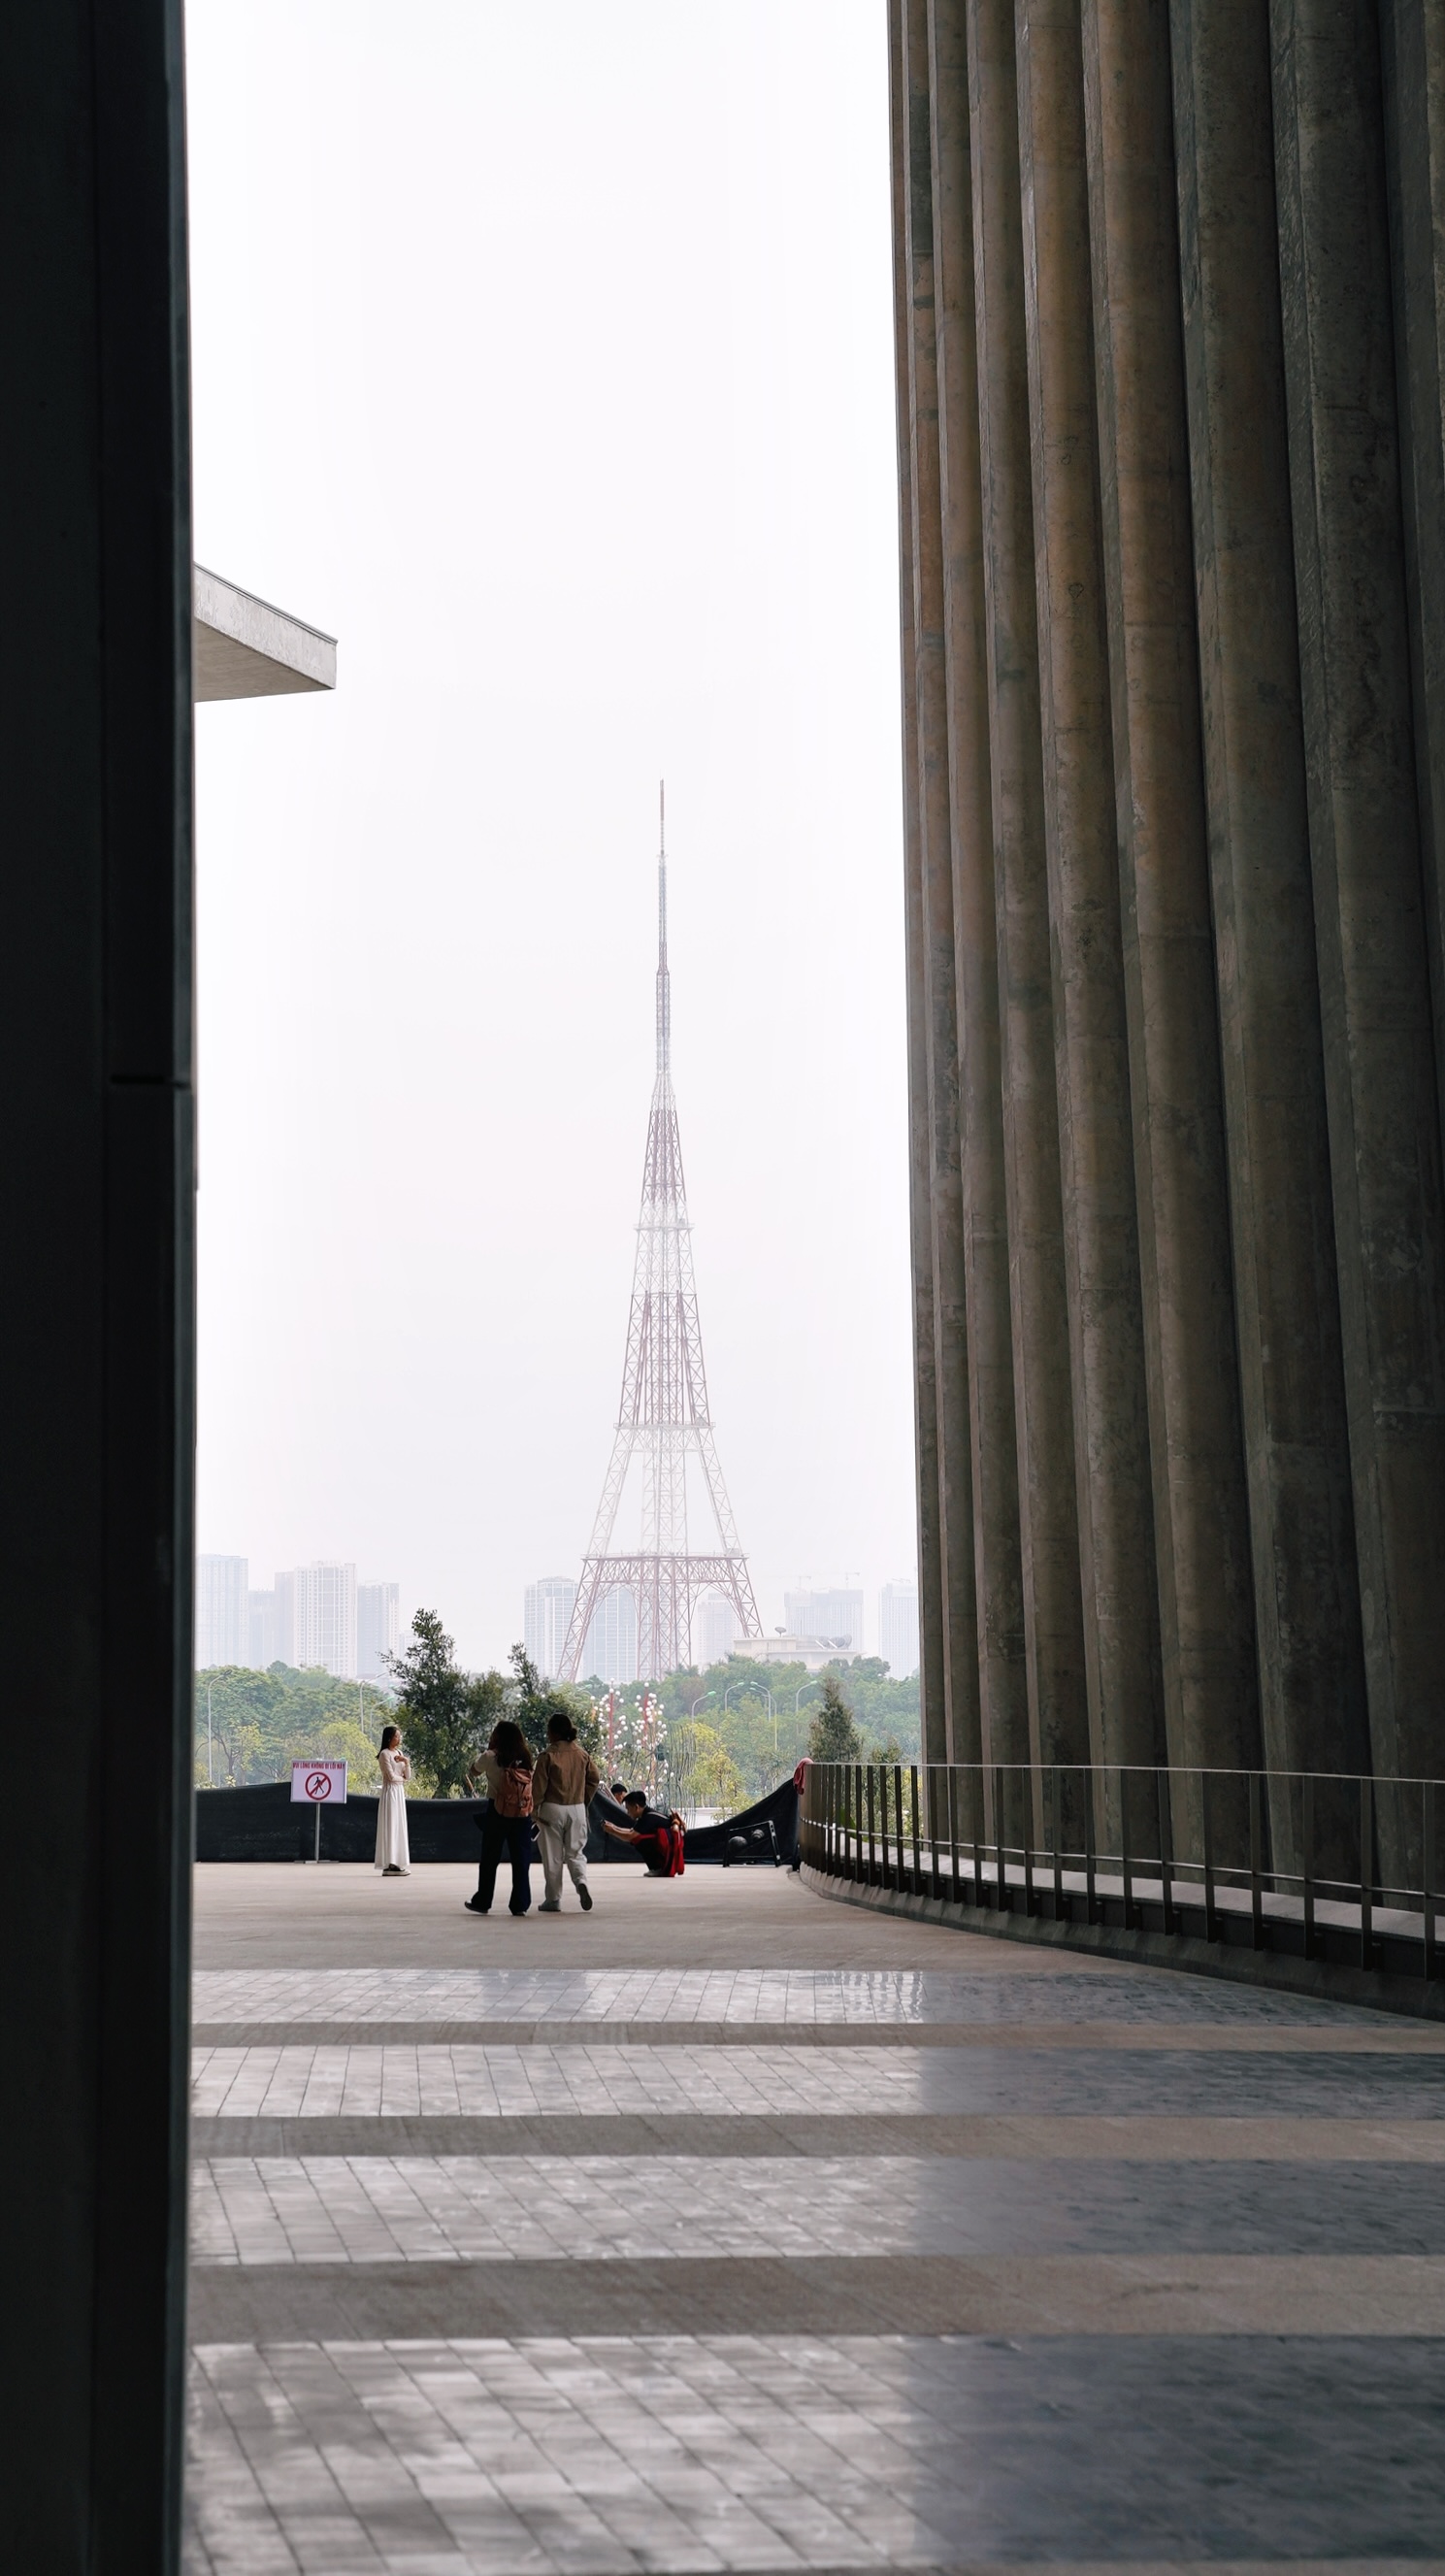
point(261, 1823)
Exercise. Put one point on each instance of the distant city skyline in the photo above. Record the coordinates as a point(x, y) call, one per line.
point(810, 1611)
point(309, 1615)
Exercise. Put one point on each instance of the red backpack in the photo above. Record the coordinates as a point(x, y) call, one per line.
point(513, 1793)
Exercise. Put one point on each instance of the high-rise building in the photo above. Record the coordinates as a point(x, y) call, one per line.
point(714, 1629)
point(323, 1617)
point(546, 1613)
point(221, 1624)
point(836, 1614)
point(378, 1629)
point(262, 1639)
point(609, 1650)
point(898, 1627)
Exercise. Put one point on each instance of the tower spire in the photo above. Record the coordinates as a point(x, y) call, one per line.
point(664, 986)
point(663, 1424)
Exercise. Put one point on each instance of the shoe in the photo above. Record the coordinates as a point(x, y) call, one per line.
point(550, 1905)
point(584, 1897)
point(474, 1905)
point(392, 1871)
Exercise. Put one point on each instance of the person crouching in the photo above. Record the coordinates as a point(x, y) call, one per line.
point(658, 1838)
point(562, 1787)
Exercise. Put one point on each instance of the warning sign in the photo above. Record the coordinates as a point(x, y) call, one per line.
point(318, 1784)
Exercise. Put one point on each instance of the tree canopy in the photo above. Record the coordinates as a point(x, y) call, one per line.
point(832, 1735)
point(445, 1715)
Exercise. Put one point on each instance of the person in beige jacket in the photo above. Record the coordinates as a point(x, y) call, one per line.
point(562, 1786)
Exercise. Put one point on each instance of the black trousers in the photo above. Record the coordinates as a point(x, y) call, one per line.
point(512, 1835)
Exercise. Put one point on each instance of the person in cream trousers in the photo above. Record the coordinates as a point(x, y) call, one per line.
point(562, 1786)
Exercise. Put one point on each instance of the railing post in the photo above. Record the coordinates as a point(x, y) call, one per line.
point(1056, 1836)
point(898, 1822)
point(977, 1842)
point(1091, 1914)
point(1307, 1857)
point(917, 1854)
point(998, 1842)
point(1028, 1834)
point(1208, 1840)
point(1367, 1869)
point(1427, 1872)
point(1124, 1847)
point(872, 1848)
point(951, 1787)
point(1256, 1859)
point(1164, 1801)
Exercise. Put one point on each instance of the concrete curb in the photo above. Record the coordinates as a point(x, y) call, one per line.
point(1269, 1968)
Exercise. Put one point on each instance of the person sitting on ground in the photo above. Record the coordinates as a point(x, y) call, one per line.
point(562, 1787)
point(505, 1769)
point(658, 1838)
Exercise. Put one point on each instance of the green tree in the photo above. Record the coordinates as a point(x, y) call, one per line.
point(832, 1736)
point(700, 1770)
point(531, 1702)
point(446, 1715)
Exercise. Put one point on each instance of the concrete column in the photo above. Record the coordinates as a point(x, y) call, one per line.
point(1039, 1314)
point(950, 1315)
point(96, 1293)
point(1365, 851)
point(1120, 1606)
point(998, 1575)
point(1412, 45)
point(1311, 1671)
point(1201, 1522)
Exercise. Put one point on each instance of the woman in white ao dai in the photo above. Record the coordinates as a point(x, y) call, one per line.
point(392, 1856)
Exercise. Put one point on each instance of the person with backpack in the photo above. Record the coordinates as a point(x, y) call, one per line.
point(562, 1787)
point(506, 1819)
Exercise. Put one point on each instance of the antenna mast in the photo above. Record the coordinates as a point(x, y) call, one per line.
point(663, 1419)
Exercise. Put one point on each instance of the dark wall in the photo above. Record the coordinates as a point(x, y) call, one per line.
point(261, 1824)
point(96, 1285)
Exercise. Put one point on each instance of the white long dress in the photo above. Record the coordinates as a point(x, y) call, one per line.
point(391, 1845)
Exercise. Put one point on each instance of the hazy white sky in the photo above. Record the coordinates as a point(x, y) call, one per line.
point(544, 357)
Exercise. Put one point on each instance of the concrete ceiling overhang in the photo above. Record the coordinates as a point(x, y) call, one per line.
point(244, 648)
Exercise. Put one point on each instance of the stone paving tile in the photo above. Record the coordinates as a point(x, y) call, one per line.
point(452, 2079)
point(607, 2456)
point(641, 2209)
point(805, 1997)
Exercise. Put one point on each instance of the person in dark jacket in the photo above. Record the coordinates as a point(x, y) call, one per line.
point(506, 1819)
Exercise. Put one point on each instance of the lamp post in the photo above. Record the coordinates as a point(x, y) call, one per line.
point(755, 1687)
point(697, 1703)
point(210, 1763)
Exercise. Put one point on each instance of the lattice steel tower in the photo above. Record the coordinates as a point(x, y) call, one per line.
point(663, 1421)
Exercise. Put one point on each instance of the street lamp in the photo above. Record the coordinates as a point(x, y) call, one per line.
point(697, 1703)
point(798, 1693)
point(755, 1687)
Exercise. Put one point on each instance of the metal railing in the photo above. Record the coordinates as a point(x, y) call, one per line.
point(1312, 1863)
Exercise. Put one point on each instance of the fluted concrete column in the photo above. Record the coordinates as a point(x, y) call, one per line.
point(1201, 1525)
point(1003, 1679)
point(1412, 34)
point(925, 1376)
point(1365, 850)
point(1291, 1374)
point(1120, 1609)
point(955, 1471)
point(1039, 1313)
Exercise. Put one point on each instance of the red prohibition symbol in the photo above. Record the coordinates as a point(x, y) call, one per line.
point(318, 1784)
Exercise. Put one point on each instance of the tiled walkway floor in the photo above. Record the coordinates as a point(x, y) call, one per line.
point(937, 2254)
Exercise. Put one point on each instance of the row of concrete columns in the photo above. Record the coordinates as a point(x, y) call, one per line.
point(1169, 333)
